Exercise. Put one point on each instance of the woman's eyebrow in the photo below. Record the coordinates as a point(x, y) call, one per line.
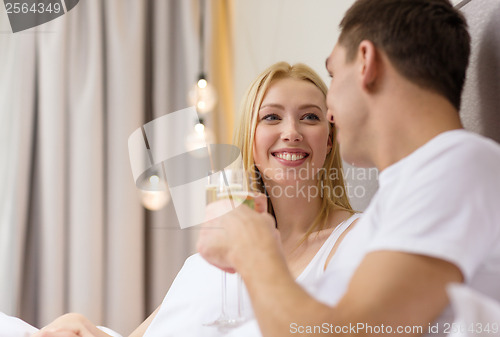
point(272, 105)
point(281, 107)
point(308, 106)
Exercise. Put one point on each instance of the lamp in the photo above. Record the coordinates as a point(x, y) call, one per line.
point(202, 94)
point(152, 184)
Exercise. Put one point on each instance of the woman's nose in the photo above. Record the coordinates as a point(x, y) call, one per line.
point(291, 133)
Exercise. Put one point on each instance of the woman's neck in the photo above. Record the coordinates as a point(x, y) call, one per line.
point(295, 209)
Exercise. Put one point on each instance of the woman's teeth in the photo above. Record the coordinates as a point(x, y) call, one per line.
point(290, 156)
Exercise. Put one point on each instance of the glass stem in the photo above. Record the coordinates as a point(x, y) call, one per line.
point(240, 296)
point(224, 295)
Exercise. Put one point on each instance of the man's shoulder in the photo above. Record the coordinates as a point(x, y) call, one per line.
point(467, 141)
point(471, 152)
point(459, 149)
point(454, 161)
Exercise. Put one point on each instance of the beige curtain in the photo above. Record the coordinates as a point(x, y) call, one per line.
point(16, 138)
point(73, 234)
point(222, 68)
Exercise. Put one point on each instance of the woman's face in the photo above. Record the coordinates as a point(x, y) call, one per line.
point(292, 134)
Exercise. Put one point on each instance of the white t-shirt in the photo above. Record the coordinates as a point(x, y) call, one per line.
point(443, 200)
point(195, 295)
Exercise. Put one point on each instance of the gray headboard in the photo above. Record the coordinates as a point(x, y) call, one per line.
point(480, 110)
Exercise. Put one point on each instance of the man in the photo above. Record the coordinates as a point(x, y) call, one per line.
point(397, 71)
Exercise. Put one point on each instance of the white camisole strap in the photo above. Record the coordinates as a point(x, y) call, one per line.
point(316, 267)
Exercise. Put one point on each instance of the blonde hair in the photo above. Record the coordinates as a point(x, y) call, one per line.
point(245, 134)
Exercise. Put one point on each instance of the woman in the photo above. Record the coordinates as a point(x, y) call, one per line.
point(293, 157)
point(291, 151)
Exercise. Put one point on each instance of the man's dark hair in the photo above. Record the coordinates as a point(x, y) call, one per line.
point(425, 40)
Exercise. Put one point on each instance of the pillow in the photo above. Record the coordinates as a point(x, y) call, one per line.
point(475, 314)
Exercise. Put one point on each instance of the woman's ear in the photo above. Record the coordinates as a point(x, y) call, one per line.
point(369, 71)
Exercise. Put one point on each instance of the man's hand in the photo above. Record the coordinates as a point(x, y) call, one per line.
point(225, 240)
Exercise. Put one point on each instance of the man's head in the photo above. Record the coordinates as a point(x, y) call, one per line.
point(397, 65)
point(426, 40)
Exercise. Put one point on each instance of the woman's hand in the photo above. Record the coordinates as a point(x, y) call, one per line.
point(71, 325)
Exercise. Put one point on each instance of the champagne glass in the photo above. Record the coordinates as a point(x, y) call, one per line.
point(231, 184)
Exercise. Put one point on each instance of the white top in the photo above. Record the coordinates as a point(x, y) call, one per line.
point(443, 200)
point(195, 295)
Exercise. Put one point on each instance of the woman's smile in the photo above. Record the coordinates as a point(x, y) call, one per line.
point(290, 157)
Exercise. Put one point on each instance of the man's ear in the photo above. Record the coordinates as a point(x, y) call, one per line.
point(329, 143)
point(369, 71)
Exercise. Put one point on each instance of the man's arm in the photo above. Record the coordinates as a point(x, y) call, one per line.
point(389, 288)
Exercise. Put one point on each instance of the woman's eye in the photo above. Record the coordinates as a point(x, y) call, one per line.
point(311, 117)
point(271, 117)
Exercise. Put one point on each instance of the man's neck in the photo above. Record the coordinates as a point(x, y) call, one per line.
point(408, 122)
